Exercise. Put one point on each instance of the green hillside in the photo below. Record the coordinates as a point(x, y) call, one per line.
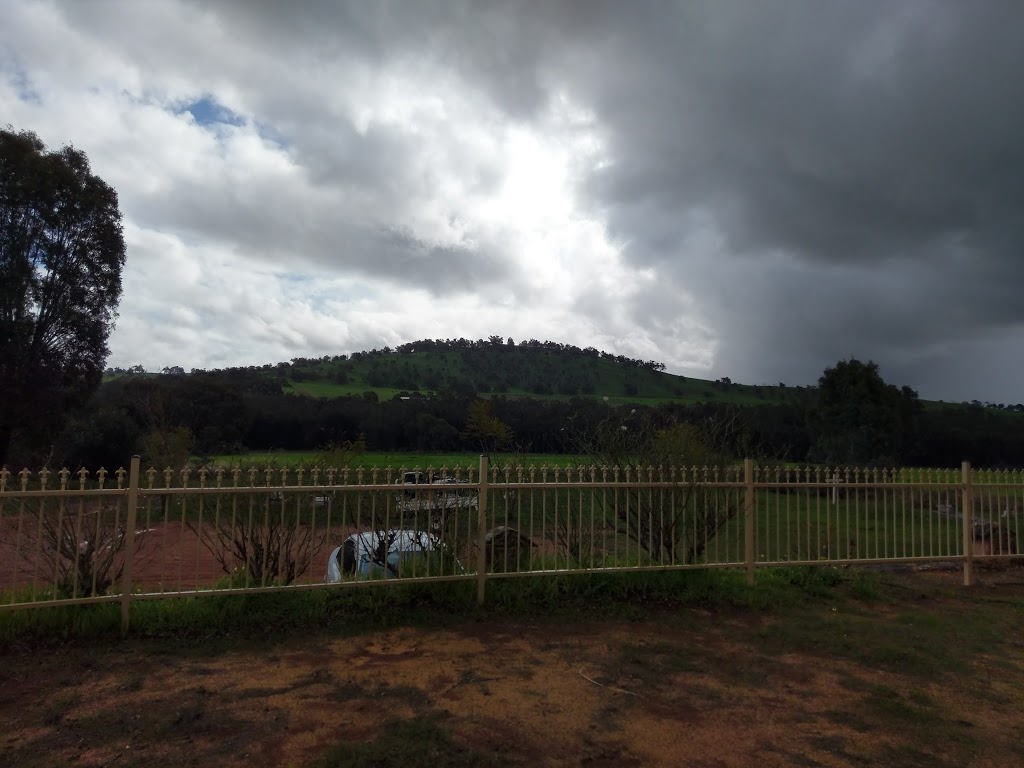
point(538, 370)
point(542, 370)
point(419, 396)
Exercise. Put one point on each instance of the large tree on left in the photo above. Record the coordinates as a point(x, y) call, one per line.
point(61, 255)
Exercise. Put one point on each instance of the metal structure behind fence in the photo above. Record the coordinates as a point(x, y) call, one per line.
point(78, 538)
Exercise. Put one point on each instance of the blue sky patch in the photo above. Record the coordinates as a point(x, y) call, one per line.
point(208, 112)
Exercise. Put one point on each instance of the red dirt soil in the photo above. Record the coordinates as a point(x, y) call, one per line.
point(168, 558)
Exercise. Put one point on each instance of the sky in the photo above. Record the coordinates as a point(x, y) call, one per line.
point(733, 188)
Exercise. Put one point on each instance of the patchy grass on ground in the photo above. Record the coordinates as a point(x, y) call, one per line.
point(914, 671)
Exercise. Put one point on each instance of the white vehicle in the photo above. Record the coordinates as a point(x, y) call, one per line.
point(383, 555)
point(404, 552)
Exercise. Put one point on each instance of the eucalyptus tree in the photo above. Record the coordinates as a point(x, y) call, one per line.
point(62, 251)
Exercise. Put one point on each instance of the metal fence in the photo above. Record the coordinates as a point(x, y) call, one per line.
point(118, 537)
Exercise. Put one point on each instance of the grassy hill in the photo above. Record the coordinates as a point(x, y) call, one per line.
point(541, 370)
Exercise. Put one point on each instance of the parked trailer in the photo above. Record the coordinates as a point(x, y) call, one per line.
point(426, 493)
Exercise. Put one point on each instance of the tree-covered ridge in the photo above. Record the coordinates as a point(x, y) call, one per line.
point(496, 365)
point(462, 367)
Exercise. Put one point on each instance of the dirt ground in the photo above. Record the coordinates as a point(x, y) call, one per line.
point(169, 557)
point(685, 687)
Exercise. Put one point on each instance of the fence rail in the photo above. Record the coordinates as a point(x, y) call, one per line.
point(132, 534)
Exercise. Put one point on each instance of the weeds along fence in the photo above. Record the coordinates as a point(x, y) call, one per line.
point(133, 534)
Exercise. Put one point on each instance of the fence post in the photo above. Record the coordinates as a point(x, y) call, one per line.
point(129, 546)
point(748, 518)
point(968, 505)
point(481, 555)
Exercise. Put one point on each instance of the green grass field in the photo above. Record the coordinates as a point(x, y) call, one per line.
point(394, 459)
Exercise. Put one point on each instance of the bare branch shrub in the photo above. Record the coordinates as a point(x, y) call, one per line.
point(281, 534)
point(268, 546)
point(572, 522)
point(674, 523)
point(79, 550)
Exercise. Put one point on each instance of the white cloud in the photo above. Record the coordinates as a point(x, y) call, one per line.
point(356, 205)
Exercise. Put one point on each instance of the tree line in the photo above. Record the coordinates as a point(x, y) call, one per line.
point(852, 418)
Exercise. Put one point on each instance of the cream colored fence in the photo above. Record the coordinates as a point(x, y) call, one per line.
point(132, 534)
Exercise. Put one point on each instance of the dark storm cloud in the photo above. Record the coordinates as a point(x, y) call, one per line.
point(861, 162)
point(399, 257)
point(496, 44)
